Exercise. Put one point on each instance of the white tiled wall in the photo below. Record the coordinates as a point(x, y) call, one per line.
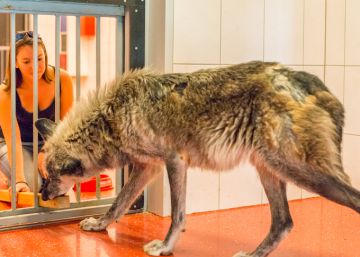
point(314, 32)
point(284, 31)
point(239, 187)
point(335, 32)
point(202, 191)
point(196, 31)
point(352, 36)
point(242, 35)
point(351, 99)
point(317, 36)
point(351, 158)
point(192, 67)
point(334, 79)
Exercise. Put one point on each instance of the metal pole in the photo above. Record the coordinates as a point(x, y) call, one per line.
point(35, 108)
point(57, 68)
point(119, 51)
point(98, 81)
point(78, 185)
point(13, 110)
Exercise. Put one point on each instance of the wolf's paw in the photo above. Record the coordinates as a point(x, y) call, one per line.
point(242, 254)
point(157, 248)
point(92, 224)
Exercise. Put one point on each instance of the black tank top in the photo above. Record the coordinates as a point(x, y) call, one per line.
point(25, 119)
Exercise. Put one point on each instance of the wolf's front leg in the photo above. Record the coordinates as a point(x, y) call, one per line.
point(139, 178)
point(176, 169)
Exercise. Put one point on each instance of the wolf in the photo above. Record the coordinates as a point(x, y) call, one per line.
point(287, 123)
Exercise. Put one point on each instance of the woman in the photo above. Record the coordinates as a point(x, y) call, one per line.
point(24, 108)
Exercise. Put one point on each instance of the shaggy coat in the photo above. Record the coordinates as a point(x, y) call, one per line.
point(286, 122)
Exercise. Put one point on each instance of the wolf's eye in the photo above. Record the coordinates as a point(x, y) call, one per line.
point(71, 167)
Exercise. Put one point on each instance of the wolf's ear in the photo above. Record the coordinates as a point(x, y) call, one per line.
point(45, 127)
point(72, 167)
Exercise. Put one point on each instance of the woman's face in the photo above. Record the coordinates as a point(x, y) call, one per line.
point(24, 61)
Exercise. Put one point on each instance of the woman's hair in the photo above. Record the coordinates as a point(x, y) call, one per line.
point(22, 39)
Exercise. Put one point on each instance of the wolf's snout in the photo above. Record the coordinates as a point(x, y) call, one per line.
point(44, 195)
point(43, 191)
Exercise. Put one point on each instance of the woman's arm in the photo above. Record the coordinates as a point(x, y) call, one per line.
point(67, 97)
point(5, 124)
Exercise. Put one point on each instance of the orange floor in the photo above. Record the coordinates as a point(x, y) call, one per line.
point(321, 229)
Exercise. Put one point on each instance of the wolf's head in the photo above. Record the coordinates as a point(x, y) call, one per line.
point(63, 168)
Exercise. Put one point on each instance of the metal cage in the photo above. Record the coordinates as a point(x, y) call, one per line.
point(130, 30)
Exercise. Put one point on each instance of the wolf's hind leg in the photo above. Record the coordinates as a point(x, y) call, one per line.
point(139, 178)
point(281, 222)
point(176, 169)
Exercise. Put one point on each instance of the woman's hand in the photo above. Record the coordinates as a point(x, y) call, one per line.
point(20, 186)
point(43, 172)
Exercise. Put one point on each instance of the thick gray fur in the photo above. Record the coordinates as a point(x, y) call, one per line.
point(286, 122)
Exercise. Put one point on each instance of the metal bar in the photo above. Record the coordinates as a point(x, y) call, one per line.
point(147, 34)
point(169, 36)
point(30, 210)
point(98, 81)
point(136, 17)
point(78, 61)
point(98, 52)
point(35, 107)
point(51, 7)
point(119, 68)
point(57, 68)
point(146, 62)
point(135, 50)
point(27, 220)
point(78, 185)
point(119, 44)
point(13, 110)
point(119, 180)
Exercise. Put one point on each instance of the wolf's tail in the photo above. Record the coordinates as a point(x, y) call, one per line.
point(338, 191)
point(329, 186)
